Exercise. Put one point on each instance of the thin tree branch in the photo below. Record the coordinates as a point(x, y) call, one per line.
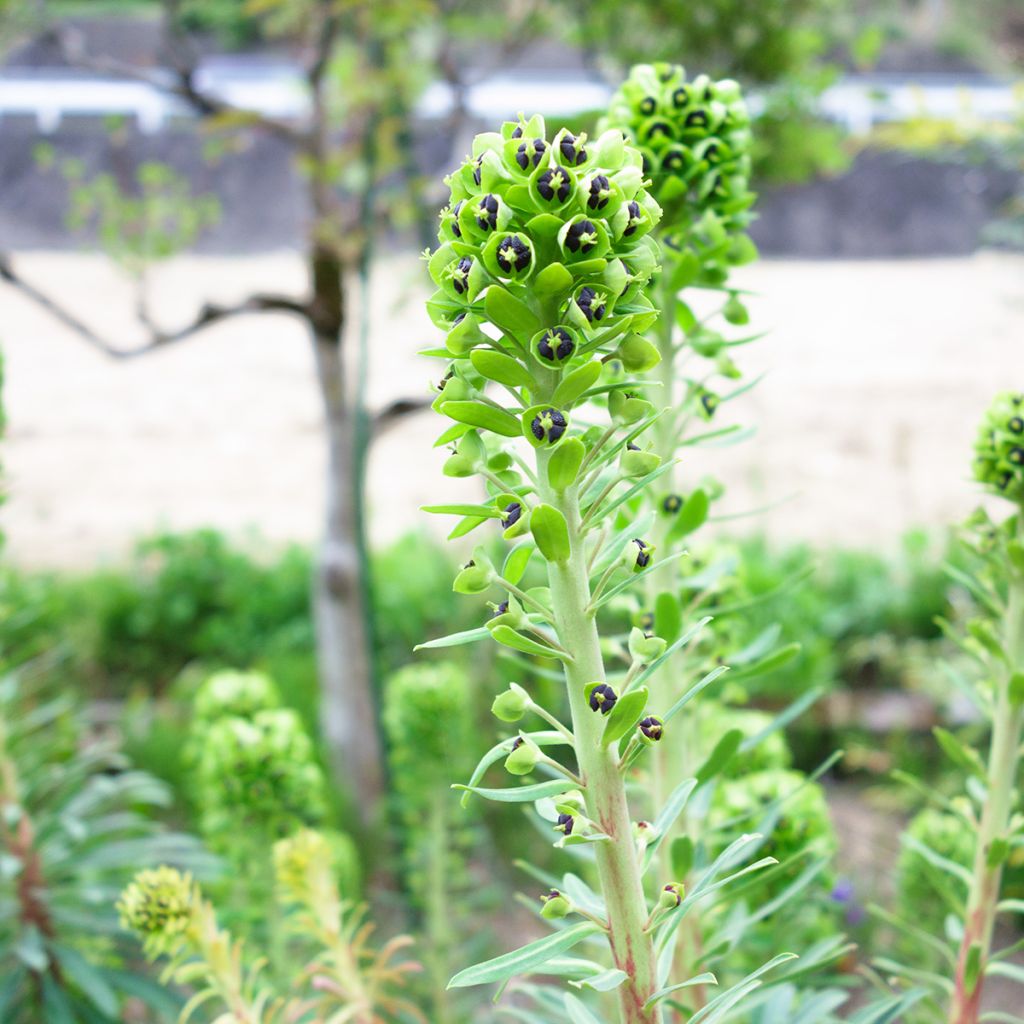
point(179, 81)
point(208, 315)
point(396, 411)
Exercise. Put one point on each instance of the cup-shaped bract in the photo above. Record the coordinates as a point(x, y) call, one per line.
point(999, 447)
point(695, 139)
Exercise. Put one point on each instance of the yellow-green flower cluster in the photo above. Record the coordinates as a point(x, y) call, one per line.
point(259, 774)
point(999, 448)
point(695, 140)
point(229, 692)
point(546, 236)
point(159, 906)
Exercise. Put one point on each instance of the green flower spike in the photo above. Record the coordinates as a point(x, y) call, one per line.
point(999, 448)
point(695, 139)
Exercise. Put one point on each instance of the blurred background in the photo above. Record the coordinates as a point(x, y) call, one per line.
point(217, 424)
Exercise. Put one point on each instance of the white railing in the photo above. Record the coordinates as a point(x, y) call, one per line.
point(276, 90)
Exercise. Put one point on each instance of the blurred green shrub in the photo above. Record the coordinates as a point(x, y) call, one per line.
point(76, 821)
point(428, 719)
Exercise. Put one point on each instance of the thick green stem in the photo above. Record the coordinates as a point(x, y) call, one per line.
point(975, 947)
point(668, 761)
point(617, 860)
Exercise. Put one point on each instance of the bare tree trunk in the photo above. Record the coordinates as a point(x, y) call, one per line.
point(348, 709)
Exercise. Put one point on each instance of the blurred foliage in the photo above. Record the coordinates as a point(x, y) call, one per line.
point(76, 821)
point(432, 743)
point(976, 140)
point(151, 218)
point(198, 599)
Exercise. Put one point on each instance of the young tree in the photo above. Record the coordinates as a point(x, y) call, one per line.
point(362, 69)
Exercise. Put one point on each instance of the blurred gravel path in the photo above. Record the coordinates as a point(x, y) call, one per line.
point(877, 374)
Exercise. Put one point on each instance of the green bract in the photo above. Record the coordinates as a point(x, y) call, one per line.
point(999, 448)
point(695, 139)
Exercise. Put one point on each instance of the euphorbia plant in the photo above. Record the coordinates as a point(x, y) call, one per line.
point(989, 810)
point(998, 641)
point(546, 253)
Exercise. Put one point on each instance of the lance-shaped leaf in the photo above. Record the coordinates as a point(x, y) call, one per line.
point(578, 1012)
point(484, 416)
point(467, 636)
point(564, 464)
point(480, 511)
point(514, 317)
point(520, 794)
point(516, 562)
point(510, 638)
point(624, 716)
point(668, 616)
point(498, 366)
point(707, 978)
point(724, 751)
point(526, 958)
point(551, 532)
point(959, 753)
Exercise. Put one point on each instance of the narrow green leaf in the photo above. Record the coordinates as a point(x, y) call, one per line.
point(725, 750)
point(484, 416)
point(513, 317)
point(959, 753)
point(624, 716)
point(779, 657)
point(516, 562)
point(551, 532)
point(465, 526)
point(520, 794)
point(483, 511)
point(526, 958)
point(605, 981)
point(467, 636)
point(578, 1013)
point(707, 978)
point(564, 464)
point(87, 978)
point(668, 616)
point(498, 366)
point(510, 638)
point(681, 856)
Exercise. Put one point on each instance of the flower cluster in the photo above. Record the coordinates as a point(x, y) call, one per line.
point(695, 139)
point(546, 236)
point(160, 907)
point(240, 694)
point(999, 448)
point(259, 773)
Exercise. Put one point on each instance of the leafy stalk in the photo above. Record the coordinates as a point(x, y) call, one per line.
point(994, 829)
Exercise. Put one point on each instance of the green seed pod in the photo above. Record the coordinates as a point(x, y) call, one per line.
point(999, 447)
point(510, 705)
point(523, 758)
point(555, 905)
point(476, 575)
point(636, 463)
point(645, 648)
point(671, 895)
